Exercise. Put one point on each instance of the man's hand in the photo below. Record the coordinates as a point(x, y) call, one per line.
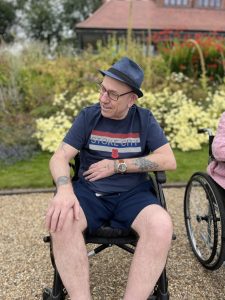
point(101, 169)
point(59, 207)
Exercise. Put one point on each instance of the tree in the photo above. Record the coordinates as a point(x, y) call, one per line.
point(42, 21)
point(7, 20)
point(54, 20)
point(78, 10)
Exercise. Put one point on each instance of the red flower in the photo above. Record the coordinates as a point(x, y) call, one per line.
point(182, 67)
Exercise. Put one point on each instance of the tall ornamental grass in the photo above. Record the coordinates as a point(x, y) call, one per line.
point(202, 57)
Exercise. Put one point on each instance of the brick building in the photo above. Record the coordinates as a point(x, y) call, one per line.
point(149, 18)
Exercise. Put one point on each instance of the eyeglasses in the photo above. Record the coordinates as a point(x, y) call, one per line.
point(111, 94)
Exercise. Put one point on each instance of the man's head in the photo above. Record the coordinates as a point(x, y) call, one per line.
point(120, 88)
point(128, 72)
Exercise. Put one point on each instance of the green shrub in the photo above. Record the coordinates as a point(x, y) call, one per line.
point(50, 131)
point(30, 81)
point(179, 116)
point(16, 137)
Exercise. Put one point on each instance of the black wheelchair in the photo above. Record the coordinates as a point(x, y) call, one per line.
point(204, 214)
point(106, 237)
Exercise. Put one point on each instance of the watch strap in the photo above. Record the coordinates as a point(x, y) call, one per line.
point(115, 166)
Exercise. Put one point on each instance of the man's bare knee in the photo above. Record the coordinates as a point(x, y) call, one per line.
point(154, 222)
point(71, 227)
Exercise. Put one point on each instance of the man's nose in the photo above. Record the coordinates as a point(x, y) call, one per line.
point(104, 97)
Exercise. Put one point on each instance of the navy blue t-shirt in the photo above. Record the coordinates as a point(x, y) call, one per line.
point(97, 138)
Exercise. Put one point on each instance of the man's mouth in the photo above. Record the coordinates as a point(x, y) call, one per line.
point(105, 107)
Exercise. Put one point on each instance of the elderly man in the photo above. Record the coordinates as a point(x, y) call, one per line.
point(119, 143)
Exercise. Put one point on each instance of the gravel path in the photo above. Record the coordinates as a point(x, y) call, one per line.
point(25, 267)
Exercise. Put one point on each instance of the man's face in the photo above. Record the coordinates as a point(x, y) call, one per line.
point(115, 109)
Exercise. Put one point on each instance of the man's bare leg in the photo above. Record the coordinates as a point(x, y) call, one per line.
point(154, 226)
point(71, 259)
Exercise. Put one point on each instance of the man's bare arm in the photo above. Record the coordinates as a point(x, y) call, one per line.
point(64, 199)
point(161, 159)
point(62, 180)
point(145, 165)
point(59, 164)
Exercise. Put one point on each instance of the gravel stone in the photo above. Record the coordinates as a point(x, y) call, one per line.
point(25, 267)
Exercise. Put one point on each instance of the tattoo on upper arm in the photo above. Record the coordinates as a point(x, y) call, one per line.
point(62, 180)
point(145, 164)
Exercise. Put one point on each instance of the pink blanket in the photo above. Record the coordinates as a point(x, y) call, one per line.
point(216, 169)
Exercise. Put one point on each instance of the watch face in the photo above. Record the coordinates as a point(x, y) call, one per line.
point(122, 167)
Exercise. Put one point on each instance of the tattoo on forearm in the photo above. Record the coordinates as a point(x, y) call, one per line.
point(62, 180)
point(145, 165)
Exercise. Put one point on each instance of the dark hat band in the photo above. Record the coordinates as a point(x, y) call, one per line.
point(123, 77)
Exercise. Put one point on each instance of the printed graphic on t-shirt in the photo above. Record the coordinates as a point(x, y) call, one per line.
point(108, 142)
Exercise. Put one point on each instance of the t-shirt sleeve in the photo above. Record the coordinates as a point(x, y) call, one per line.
point(75, 137)
point(155, 135)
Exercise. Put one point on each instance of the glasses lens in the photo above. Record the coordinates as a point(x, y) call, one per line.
point(113, 96)
point(110, 94)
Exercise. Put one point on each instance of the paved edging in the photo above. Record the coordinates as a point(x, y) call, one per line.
point(26, 191)
point(51, 190)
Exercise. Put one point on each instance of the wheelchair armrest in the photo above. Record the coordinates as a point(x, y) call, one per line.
point(160, 176)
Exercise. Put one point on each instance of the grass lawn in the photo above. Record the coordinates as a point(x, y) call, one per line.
point(188, 163)
point(34, 173)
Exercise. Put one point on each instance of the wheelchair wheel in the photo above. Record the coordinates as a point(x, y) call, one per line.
point(204, 213)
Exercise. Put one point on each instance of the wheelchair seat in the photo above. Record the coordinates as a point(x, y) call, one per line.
point(107, 236)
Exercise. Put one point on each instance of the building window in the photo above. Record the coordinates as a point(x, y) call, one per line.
point(209, 3)
point(175, 2)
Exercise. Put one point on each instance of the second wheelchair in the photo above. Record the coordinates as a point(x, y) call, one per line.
point(204, 214)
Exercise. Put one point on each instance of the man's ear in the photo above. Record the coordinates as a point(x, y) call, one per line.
point(133, 99)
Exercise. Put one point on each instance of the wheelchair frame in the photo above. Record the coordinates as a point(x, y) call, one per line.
point(204, 215)
point(106, 237)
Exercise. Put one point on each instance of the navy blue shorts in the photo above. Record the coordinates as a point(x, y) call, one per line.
point(116, 210)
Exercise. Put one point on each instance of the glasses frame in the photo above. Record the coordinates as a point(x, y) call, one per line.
point(101, 86)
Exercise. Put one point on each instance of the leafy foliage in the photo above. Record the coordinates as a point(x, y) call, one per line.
point(195, 58)
point(52, 91)
point(7, 19)
point(54, 21)
point(180, 116)
point(44, 22)
point(75, 11)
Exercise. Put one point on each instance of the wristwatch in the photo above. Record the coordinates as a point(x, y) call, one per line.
point(120, 166)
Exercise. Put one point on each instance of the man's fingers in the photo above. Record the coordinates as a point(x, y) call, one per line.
point(61, 220)
point(76, 211)
point(54, 220)
point(96, 167)
point(48, 218)
point(93, 175)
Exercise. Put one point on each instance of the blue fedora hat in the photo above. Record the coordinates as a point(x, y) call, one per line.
point(127, 71)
